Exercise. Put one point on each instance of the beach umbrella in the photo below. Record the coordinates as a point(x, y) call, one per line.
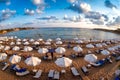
point(98, 45)
point(2, 47)
point(31, 40)
point(105, 52)
point(15, 59)
point(7, 48)
point(12, 43)
point(104, 44)
point(16, 48)
point(90, 58)
point(58, 39)
point(63, 62)
point(76, 38)
point(79, 41)
point(49, 40)
point(3, 56)
point(26, 43)
point(18, 39)
point(18, 43)
point(36, 43)
point(33, 61)
point(60, 50)
point(90, 46)
point(47, 43)
point(40, 39)
point(111, 49)
point(59, 42)
point(42, 50)
point(77, 49)
point(24, 40)
point(28, 48)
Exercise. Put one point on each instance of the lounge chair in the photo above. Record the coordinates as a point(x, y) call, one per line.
point(22, 73)
point(117, 58)
point(98, 63)
point(56, 75)
point(5, 67)
point(38, 74)
point(74, 71)
point(85, 70)
point(51, 74)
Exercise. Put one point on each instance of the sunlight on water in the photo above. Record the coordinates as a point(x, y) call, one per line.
point(65, 33)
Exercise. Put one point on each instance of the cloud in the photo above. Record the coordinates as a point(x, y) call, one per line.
point(80, 7)
point(6, 14)
point(48, 18)
point(29, 12)
point(38, 2)
point(7, 2)
point(109, 4)
point(96, 15)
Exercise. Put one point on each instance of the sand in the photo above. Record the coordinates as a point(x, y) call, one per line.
point(105, 71)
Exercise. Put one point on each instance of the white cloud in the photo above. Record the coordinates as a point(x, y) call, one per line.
point(38, 2)
point(85, 7)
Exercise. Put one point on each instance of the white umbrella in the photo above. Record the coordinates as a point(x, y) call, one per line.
point(76, 38)
point(2, 47)
point(24, 40)
point(31, 40)
point(40, 39)
point(16, 48)
point(33, 61)
point(98, 45)
point(79, 41)
point(105, 52)
point(18, 39)
point(15, 59)
point(58, 39)
point(60, 50)
point(7, 48)
point(26, 43)
point(59, 42)
point(47, 43)
point(28, 48)
point(90, 46)
point(18, 43)
point(90, 58)
point(3, 56)
point(42, 50)
point(77, 49)
point(63, 62)
point(36, 43)
point(12, 43)
point(49, 40)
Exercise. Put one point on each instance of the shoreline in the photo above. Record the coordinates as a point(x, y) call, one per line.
point(4, 31)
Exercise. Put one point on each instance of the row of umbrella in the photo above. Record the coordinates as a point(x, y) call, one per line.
point(34, 61)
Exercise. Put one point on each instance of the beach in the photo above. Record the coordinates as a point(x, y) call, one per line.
point(105, 71)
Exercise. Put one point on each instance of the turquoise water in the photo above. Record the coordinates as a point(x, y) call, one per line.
point(64, 33)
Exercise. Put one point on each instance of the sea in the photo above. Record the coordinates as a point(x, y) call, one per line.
point(64, 33)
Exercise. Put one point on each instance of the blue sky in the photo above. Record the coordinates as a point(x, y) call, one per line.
point(24, 11)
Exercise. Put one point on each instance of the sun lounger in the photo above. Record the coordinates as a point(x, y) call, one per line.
point(56, 75)
point(51, 74)
point(38, 74)
point(5, 67)
point(98, 63)
point(22, 73)
point(74, 71)
point(85, 70)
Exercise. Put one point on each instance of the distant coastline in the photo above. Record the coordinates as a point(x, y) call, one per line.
point(4, 31)
point(114, 31)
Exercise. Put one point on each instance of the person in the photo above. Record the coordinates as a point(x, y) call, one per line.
point(52, 50)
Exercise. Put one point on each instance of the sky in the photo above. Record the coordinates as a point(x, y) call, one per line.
point(27, 12)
